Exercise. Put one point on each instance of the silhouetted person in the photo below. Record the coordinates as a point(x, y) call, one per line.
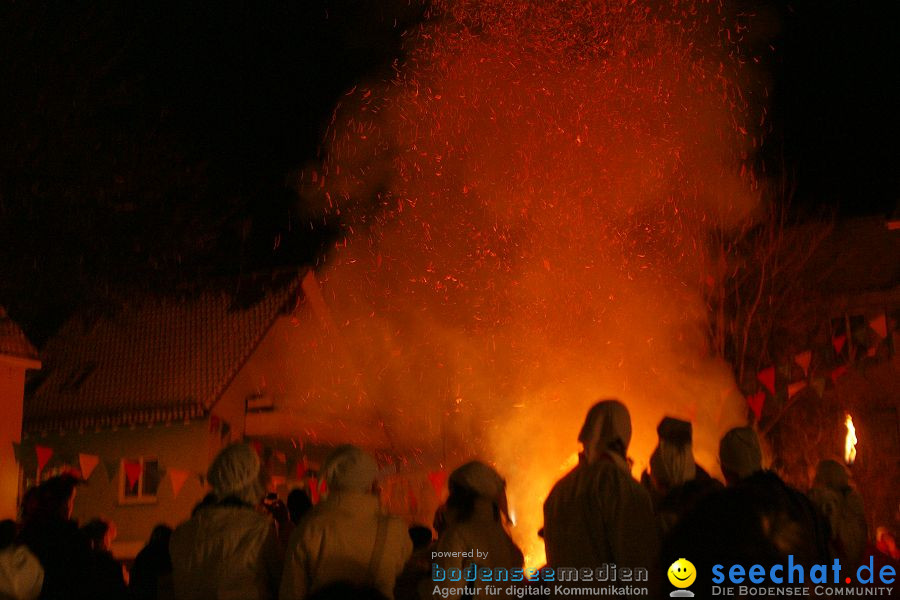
point(842, 507)
point(475, 518)
point(725, 527)
point(345, 538)
point(675, 481)
point(8, 531)
point(54, 538)
point(298, 504)
point(793, 524)
point(418, 567)
point(30, 504)
point(420, 536)
point(151, 574)
point(598, 513)
point(21, 575)
point(228, 549)
point(109, 579)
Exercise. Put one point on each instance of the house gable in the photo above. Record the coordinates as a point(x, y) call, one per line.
point(154, 360)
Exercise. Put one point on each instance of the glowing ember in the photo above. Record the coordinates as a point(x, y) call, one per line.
point(850, 441)
point(527, 207)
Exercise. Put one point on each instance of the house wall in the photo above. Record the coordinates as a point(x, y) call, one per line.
point(313, 385)
point(12, 383)
point(182, 446)
point(263, 373)
point(230, 409)
point(304, 387)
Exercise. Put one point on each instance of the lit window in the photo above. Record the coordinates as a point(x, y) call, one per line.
point(138, 480)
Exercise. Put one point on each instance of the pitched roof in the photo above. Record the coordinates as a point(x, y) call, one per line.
point(859, 255)
point(152, 360)
point(13, 341)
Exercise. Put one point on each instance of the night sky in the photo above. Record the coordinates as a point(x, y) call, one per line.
point(149, 147)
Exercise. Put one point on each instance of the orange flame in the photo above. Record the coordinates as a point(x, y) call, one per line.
point(850, 441)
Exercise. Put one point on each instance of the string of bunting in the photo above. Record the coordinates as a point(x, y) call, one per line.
point(844, 353)
point(84, 465)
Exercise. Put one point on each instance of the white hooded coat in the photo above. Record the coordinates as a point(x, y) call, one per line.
point(21, 574)
point(226, 553)
point(337, 541)
point(228, 550)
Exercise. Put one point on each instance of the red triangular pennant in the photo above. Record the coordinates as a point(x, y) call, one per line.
point(312, 485)
point(837, 373)
point(879, 325)
point(132, 472)
point(177, 477)
point(756, 402)
point(838, 342)
point(301, 469)
point(794, 388)
point(438, 479)
point(258, 447)
point(88, 462)
point(803, 359)
point(767, 378)
point(44, 454)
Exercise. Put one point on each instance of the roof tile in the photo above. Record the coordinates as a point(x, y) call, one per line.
point(153, 359)
point(13, 341)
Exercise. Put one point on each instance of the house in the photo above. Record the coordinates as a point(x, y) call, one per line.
point(862, 283)
point(17, 356)
point(848, 342)
point(137, 399)
point(140, 398)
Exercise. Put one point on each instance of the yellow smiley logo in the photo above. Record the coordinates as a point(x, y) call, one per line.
point(682, 573)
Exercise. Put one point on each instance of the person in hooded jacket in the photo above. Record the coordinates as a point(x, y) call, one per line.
point(21, 575)
point(53, 537)
point(108, 572)
point(475, 512)
point(598, 513)
point(345, 538)
point(792, 522)
point(838, 501)
point(675, 481)
point(228, 549)
point(151, 573)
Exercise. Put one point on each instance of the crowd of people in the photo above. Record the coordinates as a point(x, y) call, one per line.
point(241, 543)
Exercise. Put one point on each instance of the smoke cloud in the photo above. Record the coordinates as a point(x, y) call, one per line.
point(527, 206)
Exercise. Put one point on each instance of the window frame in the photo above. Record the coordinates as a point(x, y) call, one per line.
point(141, 498)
